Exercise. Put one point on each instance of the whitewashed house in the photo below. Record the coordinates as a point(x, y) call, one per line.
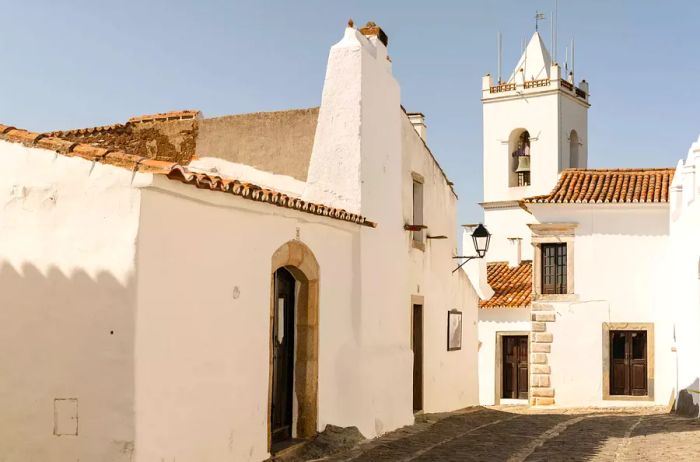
point(206, 289)
point(580, 313)
point(684, 279)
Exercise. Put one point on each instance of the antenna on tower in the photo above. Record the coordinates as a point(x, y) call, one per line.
point(555, 25)
point(573, 69)
point(566, 61)
point(500, 55)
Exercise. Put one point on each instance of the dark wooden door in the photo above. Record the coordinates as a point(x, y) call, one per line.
point(417, 344)
point(628, 363)
point(282, 356)
point(515, 367)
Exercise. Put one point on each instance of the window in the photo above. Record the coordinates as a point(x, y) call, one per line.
point(418, 209)
point(554, 268)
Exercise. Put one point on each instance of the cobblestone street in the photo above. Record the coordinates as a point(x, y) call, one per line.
point(519, 434)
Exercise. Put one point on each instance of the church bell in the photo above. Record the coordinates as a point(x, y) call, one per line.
point(523, 164)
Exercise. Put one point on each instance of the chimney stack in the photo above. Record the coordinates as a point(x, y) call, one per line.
point(418, 121)
point(515, 256)
point(372, 30)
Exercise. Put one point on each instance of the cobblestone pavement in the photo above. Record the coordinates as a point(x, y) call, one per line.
point(520, 434)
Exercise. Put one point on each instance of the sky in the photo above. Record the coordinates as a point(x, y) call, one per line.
point(69, 64)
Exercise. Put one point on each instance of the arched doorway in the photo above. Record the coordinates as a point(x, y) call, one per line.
point(293, 391)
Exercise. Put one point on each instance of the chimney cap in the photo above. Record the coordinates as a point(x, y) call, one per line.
point(371, 28)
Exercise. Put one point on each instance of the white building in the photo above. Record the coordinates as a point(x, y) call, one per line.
point(580, 313)
point(684, 278)
point(193, 289)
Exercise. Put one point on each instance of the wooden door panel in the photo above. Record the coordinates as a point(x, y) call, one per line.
point(514, 384)
point(283, 356)
point(417, 336)
point(628, 363)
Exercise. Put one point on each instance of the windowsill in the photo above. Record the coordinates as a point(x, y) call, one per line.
point(554, 297)
point(418, 245)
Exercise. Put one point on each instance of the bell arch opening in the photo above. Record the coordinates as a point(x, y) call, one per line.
point(573, 150)
point(519, 158)
point(294, 259)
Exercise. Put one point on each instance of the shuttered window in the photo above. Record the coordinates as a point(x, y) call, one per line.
point(418, 209)
point(553, 268)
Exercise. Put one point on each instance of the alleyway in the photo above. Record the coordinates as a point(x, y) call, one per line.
point(519, 434)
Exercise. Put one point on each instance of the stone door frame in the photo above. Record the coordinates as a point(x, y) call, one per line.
point(298, 259)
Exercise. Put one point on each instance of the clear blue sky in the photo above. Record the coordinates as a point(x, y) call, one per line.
point(79, 63)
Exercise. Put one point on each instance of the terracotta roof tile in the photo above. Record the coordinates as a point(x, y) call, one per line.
point(176, 172)
point(512, 286)
point(609, 186)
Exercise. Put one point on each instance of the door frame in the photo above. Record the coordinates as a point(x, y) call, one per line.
point(298, 259)
point(418, 300)
point(648, 327)
point(498, 370)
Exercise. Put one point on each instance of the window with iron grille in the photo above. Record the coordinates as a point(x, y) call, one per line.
point(553, 268)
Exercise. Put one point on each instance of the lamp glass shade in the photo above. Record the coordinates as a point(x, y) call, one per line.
point(481, 238)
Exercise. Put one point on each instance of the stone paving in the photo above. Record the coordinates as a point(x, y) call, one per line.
point(517, 434)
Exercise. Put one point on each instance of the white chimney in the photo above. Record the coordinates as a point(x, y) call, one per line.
point(515, 255)
point(418, 121)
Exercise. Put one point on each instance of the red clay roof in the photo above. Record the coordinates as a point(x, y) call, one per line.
point(591, 186)
point(512, 286)
point(174, 171)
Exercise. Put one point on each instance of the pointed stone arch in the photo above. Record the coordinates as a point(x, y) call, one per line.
point(299, 260)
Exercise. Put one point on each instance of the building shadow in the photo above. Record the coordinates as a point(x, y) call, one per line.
point(66, 339)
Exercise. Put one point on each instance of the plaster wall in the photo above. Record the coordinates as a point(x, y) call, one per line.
point(619, 252)
point(68, 231)
point(450, 377)
point(684, 278)
point(202, 368)
point(505, 223)
point(491, 322)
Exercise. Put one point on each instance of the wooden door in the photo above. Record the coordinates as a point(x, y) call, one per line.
point(515, 367)
point(282, 356)
point(628, 363)
point(417, 345)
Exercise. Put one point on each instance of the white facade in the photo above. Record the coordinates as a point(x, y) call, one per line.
point(143, 305)
point(616, 280)
point(684, 279)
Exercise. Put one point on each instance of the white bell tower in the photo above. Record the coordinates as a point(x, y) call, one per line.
point(535, 125)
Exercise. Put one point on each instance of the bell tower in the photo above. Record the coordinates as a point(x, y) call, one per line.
point(535, 126)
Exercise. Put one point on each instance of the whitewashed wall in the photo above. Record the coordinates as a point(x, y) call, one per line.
point(684, 276)
point(619, 256)
point(67, 290)
point(450, 377)
point(491, 322)
point(202, 368)
point(505, 223)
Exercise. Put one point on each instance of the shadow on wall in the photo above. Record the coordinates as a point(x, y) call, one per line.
point(67, 359)
point(688, 398)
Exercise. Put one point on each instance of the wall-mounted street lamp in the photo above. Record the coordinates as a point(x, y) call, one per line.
point(481, 238)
